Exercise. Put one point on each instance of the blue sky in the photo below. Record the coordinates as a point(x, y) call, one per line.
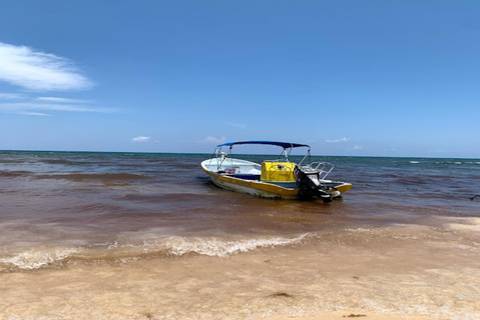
point(349, 77)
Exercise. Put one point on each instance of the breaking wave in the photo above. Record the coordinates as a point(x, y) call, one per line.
point(220, 248)
point(35, 259)
point(116, 252)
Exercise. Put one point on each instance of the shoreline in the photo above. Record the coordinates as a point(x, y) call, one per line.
point(385, 273)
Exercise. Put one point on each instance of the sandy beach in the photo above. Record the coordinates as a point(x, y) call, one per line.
point(393, 273)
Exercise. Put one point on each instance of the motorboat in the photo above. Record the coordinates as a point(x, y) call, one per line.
point(279, 178)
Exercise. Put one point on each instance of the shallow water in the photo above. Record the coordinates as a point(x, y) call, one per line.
point(132, 236)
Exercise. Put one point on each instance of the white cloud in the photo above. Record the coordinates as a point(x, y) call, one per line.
point(210, 139)
point(11, 96)
point(57, 99)
point(28, 107)
point(29, 113)
point(357, 147)
point(344, 139)
point(38, 71)
point(141, 139)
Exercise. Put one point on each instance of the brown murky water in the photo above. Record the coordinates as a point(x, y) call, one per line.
point(116, 236)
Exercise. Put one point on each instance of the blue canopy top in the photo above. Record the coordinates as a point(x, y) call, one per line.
point(273, 143)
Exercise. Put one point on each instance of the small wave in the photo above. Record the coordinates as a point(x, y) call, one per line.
point(156, 160)
point(12, 161)
point(7, 173)
point(35, 259)
point(116, 252)
point(414, 162)
point(459, 162)
point(214, 247)
point(466, 224)
point(96, 176)
point(63, 161)
point(220, 248)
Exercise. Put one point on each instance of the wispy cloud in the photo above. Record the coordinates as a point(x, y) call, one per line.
point(11, 96)
point(34, 70)
point(344, 139)
point(357, 147)
point(30, 113)
point(141, 139)
point(58, 99)
point(211, 139)
point(38, 71)
point(30, 108)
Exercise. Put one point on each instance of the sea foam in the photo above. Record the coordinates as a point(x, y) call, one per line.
point(35, 259)
point(222, 248)
point(32, 259)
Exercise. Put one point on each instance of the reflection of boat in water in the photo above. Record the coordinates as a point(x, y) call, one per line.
point(278, 178)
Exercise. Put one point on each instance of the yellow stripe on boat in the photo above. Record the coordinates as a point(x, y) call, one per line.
point(343, 187)
point(263, 189)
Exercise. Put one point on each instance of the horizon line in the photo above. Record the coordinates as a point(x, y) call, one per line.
point(249, 154)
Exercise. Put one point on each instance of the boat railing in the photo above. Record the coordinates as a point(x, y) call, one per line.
point(323, 168)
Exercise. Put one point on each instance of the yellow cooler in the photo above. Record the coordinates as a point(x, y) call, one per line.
point(277, 171)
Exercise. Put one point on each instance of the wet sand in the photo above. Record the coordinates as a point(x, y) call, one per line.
point(398, 272)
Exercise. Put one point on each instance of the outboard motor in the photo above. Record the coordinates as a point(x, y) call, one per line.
point(309, 186)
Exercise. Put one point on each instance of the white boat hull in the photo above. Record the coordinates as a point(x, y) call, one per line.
point(248, 190)
point(260, 188)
